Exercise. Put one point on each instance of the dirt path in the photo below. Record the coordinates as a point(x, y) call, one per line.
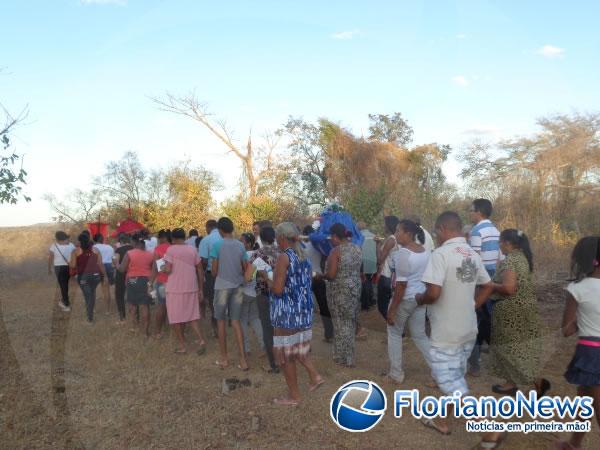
point(66, 384)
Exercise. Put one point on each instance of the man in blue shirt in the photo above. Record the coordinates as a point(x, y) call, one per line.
point(212, 237)
point(485, 240)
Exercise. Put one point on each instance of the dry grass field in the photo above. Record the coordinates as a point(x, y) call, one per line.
point(67, 384)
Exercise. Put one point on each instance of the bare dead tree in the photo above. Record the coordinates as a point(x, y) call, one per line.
point(267, 149)
point(189, 106)
point(79, 208)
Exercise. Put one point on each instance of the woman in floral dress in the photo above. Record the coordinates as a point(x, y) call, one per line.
point(343, 293)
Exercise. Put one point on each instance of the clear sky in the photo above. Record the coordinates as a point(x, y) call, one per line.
point(455, 70)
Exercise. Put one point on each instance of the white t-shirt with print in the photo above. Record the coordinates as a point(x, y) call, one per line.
point(106, 251)
point(458, 269)
point(587, 295)
point(65, 249)
point(410, 267)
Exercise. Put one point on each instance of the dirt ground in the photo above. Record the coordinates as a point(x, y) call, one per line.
point(67, 384)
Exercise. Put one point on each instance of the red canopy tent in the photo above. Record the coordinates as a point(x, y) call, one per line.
point(128, 226)
point(98, 228)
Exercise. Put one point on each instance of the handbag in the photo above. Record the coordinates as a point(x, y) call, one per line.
point(72, 270)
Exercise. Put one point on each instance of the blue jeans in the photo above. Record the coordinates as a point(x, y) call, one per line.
point(484, 325)
point(88, 282)
point(384, 293)
point(409, 313)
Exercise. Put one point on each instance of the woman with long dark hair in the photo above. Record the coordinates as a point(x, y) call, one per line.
point(516, 340)
point(90, 271)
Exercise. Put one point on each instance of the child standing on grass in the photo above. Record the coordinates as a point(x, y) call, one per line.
point(582, 316)
point(229, 260)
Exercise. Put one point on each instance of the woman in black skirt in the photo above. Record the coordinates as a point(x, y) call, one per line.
point(582, 316)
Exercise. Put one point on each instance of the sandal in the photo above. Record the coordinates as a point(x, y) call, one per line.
point(429, 423)
point(362, 336)
point(496, 388)
point(545, 387)
point(202, 350)
point(179, 351)
point(390, 380)
point(269, 369)
point(317, 385)
point(221, 364)
point(242, 369)
point(285, 401)
point(492, 444)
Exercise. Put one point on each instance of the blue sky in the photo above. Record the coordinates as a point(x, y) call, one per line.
point(455, 69)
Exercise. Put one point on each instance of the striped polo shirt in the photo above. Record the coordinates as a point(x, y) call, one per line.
point(485, 239)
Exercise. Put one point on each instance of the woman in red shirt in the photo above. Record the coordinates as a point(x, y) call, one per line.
point(90, 271)
point(138, 265)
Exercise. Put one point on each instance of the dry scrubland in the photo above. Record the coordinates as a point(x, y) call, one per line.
point(64, 384)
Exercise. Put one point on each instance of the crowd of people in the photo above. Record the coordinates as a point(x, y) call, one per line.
point(475, 288)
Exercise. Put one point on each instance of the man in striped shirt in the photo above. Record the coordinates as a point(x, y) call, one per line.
point(485, 240)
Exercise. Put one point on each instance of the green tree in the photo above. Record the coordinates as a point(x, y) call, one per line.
point(12, 178)
point(307, 168)
point(551, 177)
point(391, 129)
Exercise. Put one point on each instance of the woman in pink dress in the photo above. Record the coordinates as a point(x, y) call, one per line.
point(184, 288)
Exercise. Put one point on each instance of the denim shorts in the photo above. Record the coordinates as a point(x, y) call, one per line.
point(449, 366)
point(229, 301)
point(161, 295)
point(137, 291)
point(110, 273)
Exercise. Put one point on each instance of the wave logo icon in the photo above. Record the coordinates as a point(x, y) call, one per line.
point(358, 406)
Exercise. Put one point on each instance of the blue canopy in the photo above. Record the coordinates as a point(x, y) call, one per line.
point(320, 237)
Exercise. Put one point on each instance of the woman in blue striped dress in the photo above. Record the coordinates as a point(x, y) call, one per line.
point(292, 312)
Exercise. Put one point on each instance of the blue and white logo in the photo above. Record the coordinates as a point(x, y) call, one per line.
point(358, 406)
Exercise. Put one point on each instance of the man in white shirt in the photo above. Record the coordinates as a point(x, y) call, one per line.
point(107, 252)
point(452, 275)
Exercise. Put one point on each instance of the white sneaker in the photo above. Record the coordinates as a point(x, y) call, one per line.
point(64, 307)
